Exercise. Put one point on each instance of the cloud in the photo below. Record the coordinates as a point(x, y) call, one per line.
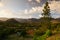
point(38, 1)
point(40, 16)
point(55, 6)
point(34, 12)
point(6, 13)
point(1, 4)
point(29, 0)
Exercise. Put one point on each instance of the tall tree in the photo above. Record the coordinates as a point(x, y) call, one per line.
point(46, 15)
point(46, 10)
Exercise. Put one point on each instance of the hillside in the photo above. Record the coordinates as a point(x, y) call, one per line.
point(57, 20)
point(54, 37)
point(4, 19)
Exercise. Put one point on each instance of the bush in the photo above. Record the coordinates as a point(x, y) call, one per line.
point(39, 32)
point(48, 33)
point(42, 37)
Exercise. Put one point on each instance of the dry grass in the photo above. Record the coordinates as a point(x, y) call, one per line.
point(54, 37)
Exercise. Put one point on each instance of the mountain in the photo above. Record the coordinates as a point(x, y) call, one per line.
point(12, 20)
point(16, 20)
point(57, 20)
point(19, 20)
point(27, 20)
point(3, 19)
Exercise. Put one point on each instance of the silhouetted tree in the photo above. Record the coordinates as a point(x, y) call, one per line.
point(46, 10)
point(46, 16)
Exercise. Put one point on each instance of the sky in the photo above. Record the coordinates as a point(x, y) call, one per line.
point(27, 8)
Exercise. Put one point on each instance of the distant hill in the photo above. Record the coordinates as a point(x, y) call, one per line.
point(27, 20)
point(3, 19)
point(12, 20)
point(57, 20)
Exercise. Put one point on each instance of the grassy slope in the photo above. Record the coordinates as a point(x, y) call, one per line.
point(54, 37)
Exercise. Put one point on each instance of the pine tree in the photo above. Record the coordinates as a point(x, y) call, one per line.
point(46, 16)
point(46, 10)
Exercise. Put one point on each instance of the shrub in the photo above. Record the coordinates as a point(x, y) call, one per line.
point(42, 37)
